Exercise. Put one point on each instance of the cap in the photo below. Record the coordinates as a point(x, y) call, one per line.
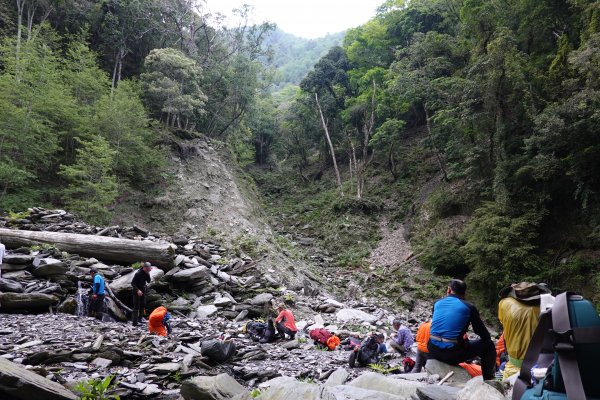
point(146, 264)
point(93, 271)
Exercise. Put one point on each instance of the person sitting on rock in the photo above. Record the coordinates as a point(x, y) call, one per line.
point(139, 284)
point(422, 352)
point(403, 338)
point(452, 316)
point(285, 323)
point(96, 303)
point(368, 351)
point(518, 312)
point(159, 321)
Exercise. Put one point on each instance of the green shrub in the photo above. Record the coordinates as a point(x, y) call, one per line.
point(501, 248)
point(443, 256)
point(97, 389)
point(442, 204)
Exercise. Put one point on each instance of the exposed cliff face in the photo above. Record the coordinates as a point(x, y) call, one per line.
point(204, 195)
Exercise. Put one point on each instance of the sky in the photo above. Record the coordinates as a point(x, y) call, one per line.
point(305, 18)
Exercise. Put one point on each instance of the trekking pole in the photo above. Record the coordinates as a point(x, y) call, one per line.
point(448, 375)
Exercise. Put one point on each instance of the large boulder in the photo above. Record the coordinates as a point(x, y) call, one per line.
point(476, 389)
point(22, 259)
point(26, 301)
point(220, 387)
point(286, 388)
point(18, 383)
point(338, 377)
point(122, 285)
point(261, 299)
point(382, 383)
point(435, 367)
point(49, 269)
point(68, 306)
point(191, 274)
point(349, 314)
point(203, 312)
point(8, 285)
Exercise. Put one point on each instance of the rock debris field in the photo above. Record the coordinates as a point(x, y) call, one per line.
point(46, 348)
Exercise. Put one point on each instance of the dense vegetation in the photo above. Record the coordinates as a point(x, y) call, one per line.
point(473, 121)
point(94, 93)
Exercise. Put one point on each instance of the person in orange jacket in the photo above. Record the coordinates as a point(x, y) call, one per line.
point(159, 321)
point(422, 353)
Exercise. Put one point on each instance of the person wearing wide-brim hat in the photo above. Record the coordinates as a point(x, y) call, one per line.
point(518, 312)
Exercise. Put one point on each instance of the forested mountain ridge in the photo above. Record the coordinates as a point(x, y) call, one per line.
point(293, 57)
point(472, 122)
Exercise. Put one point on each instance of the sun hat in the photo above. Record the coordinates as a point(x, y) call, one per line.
point(525, 291)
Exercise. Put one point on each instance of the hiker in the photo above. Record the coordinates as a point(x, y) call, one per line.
point(285, 323)
point(403, 338)
point(97, 295)
point(422, 352)
point(518, 312)
point(2, 254)
point(159, 321)
point(138, 283)
point(452, 316)
point(368, 351)
point(323, 337)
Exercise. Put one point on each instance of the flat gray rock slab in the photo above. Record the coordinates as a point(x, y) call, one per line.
point(23, 384)
point(437, 392)
point(343, 392)
point(382, 383)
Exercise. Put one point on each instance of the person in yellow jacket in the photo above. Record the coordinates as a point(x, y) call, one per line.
point(159, 321)
point(518, 312)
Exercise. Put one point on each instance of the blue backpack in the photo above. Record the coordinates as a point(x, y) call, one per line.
point(567, 342)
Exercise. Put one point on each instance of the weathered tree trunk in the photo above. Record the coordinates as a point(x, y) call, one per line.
point(100, 247)
point(435, 148)
point(335, 167)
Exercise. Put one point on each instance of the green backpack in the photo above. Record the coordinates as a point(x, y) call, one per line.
point(567, 341)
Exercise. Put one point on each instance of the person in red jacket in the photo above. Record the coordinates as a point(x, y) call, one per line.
point(285, 322)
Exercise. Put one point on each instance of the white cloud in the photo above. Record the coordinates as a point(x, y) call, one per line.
point(305, 18)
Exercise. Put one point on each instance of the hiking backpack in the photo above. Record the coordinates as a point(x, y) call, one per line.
point(255, 329)
point(567, 342)
point(320, 335)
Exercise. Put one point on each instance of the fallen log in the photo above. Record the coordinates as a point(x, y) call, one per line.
point(100, 247)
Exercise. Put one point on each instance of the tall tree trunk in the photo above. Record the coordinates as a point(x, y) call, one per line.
point(20, 7)
point(335, 167)
point(435, 148)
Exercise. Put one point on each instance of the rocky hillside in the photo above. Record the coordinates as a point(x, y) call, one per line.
point(212, 293)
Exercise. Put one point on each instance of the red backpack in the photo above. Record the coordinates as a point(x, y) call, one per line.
point(320, 335)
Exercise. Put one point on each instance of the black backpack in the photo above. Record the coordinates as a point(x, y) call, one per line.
point(256, 330)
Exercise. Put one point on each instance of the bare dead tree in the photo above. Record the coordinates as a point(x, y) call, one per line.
point(335, 167)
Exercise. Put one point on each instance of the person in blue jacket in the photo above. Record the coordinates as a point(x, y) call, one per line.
point(97, 296)
point(452, 316)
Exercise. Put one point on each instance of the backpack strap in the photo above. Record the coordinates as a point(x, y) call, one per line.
point(565, 347)
point(538, 343)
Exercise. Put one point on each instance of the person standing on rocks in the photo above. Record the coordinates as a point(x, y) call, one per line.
point(285, 322)
point(403, 338)
point(452, 316)
point(98, 294)
point(2, 253)
point(139, 284)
